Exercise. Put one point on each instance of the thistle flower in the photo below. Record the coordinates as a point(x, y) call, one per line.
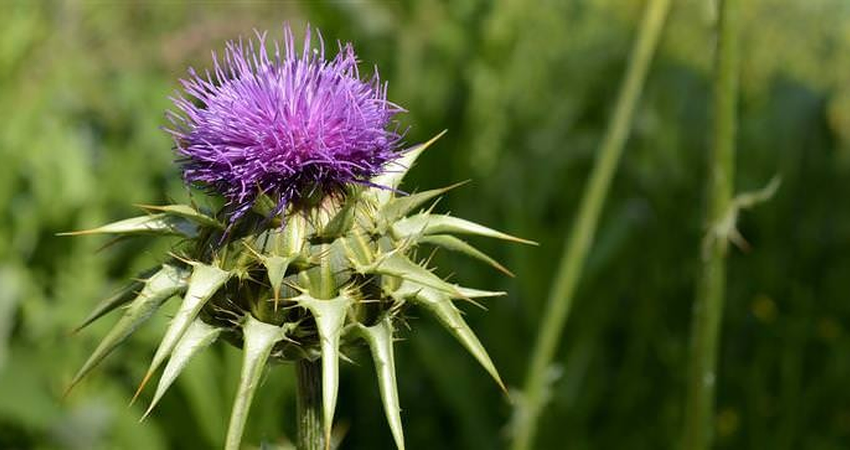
point(305, 138)
point(285, 126)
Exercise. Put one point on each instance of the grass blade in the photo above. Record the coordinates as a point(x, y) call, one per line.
point(581, 236)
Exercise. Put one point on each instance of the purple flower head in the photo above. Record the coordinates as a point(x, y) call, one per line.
point(287, 125)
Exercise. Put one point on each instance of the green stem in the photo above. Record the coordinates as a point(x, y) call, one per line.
point(579, 242)
point(311, 431)
point(708, 306)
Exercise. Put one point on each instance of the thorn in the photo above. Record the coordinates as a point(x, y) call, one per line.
point(182, 259)
point(295, 287)
point(76, 233)
point(147, 413)
point(427, 261)
point(503, 269)
point(474, 302)
point(148, 208)
point(141, 387)
point(430, 209)
point(458, 184)
point(68, 391)
point(110, 243)
point(251, 249)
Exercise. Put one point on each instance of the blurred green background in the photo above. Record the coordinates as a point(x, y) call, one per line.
point(526, 90)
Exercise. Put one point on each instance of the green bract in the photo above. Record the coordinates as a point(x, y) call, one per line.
point(300, 286)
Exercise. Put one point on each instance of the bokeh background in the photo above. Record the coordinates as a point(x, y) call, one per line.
point(525, 90)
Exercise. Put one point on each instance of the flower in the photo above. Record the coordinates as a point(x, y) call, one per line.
point(286, 125)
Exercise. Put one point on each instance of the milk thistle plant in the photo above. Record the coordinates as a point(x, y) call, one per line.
point(315, 247)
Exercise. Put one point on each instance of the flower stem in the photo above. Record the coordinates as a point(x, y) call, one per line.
point(708, 306)
point(575, 252)
point(311, 432)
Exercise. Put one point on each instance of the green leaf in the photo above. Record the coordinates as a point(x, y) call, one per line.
point(204, 282)
point(330, 318)
point(440, 305)
point(452, 243)
point(426, 224)
point(148, 224)
point(167, 282)
point(197, 337)
point(119, 298)
point(397, 169)
point(400, 206)
point(187, 212)
point(259, 340)
point(380, 340)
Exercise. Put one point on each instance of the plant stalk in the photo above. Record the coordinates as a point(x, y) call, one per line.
point(581, 237)
point(711, 284)
point(311, 432)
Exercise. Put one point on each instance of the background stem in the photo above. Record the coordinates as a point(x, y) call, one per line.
point(579, 242)
point(708, 306)
point(311, 433)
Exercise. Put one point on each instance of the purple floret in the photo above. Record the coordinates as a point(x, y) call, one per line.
point(285, 125)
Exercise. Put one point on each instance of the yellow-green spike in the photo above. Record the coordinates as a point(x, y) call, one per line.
point(203, 283)
point(380, 340)
point(276, 267)
point(452, 243)
point(259, 339)
point(330, 318)
point(425, 224)
point(478, 293)
point(400, 206)
point(197, 337)
point(168, 281)
point(398, 265)
point(148, 224)
point(186, 212)
point(440, 305)
point(120, 298)
point(395, 171)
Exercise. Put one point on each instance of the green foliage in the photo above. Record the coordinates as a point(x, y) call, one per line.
point(526, 93)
